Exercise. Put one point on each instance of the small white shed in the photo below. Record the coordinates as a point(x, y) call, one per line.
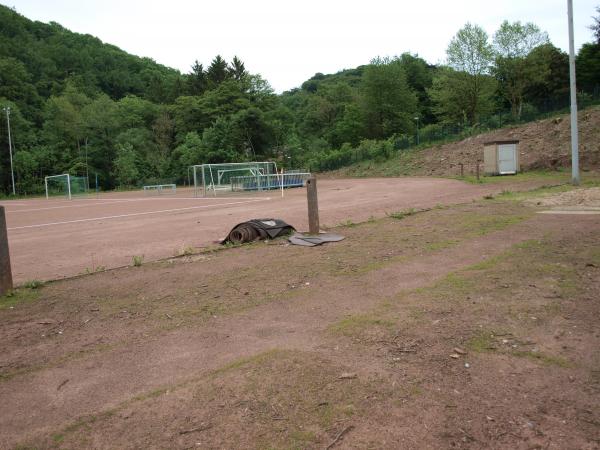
point(501, 157)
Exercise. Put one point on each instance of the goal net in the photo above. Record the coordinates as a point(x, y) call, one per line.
point(65, 185)
point(269, 181)
point(214, 178)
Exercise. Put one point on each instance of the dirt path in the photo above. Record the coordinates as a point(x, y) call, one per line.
point(49, 395)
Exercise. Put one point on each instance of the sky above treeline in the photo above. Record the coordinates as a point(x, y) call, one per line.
point(289, 41)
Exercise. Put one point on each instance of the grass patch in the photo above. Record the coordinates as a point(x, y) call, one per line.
point(185, 251)
point(19, 296)
point(137, 260)
point(399, 215)
point(33, 284)
point(353, 325)
point(482, 342)
point(440, 245)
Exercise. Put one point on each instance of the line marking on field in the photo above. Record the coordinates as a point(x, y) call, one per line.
point(571, 211)
point(119, 216)
point(97, 202)
point(12, 204)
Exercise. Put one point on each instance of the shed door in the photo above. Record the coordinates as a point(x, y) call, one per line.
point(507, 158)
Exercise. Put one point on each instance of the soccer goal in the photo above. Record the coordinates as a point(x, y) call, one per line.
point(65, 185)
point(219, 177)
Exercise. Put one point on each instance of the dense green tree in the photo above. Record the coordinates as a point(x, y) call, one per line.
point(464, 93)
point(237, 69)
point(588, 61)
point(389, 104)
point(125, 171)
point(217, 72)
point(419, 76)
point(197, 80)
point(512, 43)
point(588, 68)
point(550, 88)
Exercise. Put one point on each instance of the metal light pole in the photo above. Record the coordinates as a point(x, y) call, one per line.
point(417, 119)
point(6, 109)
point(574, 132)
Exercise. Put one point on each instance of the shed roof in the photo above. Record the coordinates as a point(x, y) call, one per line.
point(513, 141)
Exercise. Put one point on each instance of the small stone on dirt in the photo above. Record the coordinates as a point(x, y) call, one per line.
point(347, 376)
point(460, 351)
point(455, 356)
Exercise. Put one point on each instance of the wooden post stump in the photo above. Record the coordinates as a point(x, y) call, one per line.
point(6, 283)
point(313, 205)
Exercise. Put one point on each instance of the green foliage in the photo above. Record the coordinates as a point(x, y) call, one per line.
point(464, 91)
point(126, 172)
point(588, 67)
point(389, 103)
point(513, 42)
point(137, 260)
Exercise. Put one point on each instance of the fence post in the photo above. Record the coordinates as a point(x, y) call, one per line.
point(477, 171)
point(462, 169)
point(313, 205)
point(6, 282)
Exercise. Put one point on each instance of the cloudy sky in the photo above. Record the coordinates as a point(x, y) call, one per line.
point(288, 41)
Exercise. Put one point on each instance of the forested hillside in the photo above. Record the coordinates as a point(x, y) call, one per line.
point(81, 106)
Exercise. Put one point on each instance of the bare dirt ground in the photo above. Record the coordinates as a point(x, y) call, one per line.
point(544, 144)
point(54, 238)
point(469, 326)
point(586, 198)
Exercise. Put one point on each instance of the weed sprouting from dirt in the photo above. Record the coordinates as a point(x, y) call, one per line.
point(137, 260)
point(348, 223)
point(33, 284)
point(186, 251)
point(94, 269)
point(399, 215)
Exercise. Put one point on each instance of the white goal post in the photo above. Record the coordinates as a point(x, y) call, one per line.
point(65, 184)
point(220, 177)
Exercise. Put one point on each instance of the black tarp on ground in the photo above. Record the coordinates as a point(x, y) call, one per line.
point(258, 229)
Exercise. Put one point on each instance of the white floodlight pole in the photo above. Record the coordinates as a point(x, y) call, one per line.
point(417, 119)
point(69, 185)
point(46, 184)
point(12, 173)
point(574, 132)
